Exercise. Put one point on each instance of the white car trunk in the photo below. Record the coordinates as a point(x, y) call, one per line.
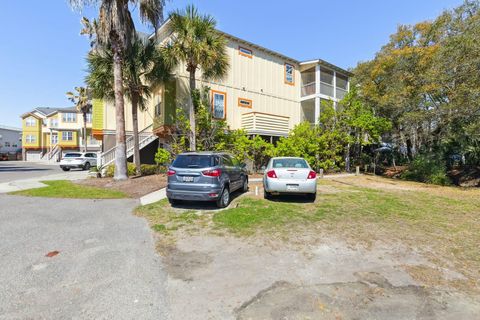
point(291, 174)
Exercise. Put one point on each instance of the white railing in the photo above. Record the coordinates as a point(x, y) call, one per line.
point(145, 137)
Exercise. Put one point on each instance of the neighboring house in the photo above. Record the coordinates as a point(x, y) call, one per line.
point(264, 92)
point(10, 140)
point(49, 132)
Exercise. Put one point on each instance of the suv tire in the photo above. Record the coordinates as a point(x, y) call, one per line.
point(224, 200)
point(86, 166)
point(173, 201)
point(66, 169)
point(245, 185)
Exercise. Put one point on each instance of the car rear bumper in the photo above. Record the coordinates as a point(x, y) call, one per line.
point(204, 195)
point(290, 186)
point(71, 166)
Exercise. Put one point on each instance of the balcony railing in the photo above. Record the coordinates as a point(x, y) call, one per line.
point(308, 89)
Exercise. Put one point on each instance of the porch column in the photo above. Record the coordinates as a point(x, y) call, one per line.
point(335, 90)
point(317, 92)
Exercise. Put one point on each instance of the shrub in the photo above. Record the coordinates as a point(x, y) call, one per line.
point(147, 169)
point(427, 169)
point(162, 157)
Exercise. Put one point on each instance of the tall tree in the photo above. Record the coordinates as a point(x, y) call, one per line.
point(115, 28)
point(82, 102)
point(197, 43)
point(144, 71)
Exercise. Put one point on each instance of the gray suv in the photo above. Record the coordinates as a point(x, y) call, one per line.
point(205, 176)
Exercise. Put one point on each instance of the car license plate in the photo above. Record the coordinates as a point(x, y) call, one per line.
point(292, 187)
point(187, 179)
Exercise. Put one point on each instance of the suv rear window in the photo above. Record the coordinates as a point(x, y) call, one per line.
point(290, 163)
point(195, 161)
point(72, 155)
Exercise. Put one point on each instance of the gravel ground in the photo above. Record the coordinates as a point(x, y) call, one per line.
point(102, 266)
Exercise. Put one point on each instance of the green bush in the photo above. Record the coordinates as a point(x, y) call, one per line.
point(427, 169)
point(162, 157)
point(147, 169)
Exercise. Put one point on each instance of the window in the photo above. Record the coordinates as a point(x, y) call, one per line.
point(289, 74)
point(69, 117)
point(342, 81)
point(30, 122)
point(14, 145)
point(7, 144)
point(245, 103)
point(219, 104)
point(245, 52)
point(89, 117)
point(227, 161)
point(30, 138)
point(195, 161)
point(158, 109)
point(54, 138)
point(54, 122)
point(67, 136)
point(290, 163)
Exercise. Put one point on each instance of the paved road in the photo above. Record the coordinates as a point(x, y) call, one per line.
point(16, 170)
point(106, 267)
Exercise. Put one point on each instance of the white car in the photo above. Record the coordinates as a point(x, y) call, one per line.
point(80, 160)
point(288, 175)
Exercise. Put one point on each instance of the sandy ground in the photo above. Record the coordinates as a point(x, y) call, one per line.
point(310, 276)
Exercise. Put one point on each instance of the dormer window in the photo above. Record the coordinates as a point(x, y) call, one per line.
point(30, 122)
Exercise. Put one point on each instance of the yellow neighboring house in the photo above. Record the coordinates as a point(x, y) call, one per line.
point(47, 133)
point(264, 92)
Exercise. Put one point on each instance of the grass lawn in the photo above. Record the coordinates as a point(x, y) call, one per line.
point(67, 189)
point(443, 222)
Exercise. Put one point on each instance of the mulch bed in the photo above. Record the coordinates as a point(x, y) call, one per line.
point(134, 187)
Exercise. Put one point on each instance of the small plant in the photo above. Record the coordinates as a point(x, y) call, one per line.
point(427, 169)
point(162, 157)
point(147, 169)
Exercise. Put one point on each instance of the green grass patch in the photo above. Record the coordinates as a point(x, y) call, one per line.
point(253, 214)
point(67, 189)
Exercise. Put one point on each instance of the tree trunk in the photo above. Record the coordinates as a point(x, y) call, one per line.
point(84, 132)
point(136, 142)
point(121, 148)
point(193, 142)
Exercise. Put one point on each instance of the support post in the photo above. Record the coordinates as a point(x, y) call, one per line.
point(357, 170)
point(321, 173)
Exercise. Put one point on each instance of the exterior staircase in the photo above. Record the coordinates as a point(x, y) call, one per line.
point(53, 155)
point(145, 137)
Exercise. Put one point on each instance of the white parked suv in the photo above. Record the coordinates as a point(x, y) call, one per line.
point(80, 160)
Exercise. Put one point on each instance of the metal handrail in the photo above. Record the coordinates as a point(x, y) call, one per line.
point(108, 156)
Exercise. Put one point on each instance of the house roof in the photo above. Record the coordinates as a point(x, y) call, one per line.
point(326, 64)
point(10, 128)
point(272, 52)
point(48, 111)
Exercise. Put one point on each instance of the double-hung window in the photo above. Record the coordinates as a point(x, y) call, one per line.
point(30, 138)
point(89, 117)
point(30, 122)
point(289, 74)
point(219, 104)
point(69, 117)
point(67, 136)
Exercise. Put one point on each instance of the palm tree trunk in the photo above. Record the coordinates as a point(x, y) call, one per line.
point(121, 148)
point(193, 142)
point(84, 132)
point(136, 142)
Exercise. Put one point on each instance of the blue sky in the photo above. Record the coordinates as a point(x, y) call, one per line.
point(42, 54)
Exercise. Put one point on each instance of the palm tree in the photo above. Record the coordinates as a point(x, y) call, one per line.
point(83, 104)
point(197, 43)
point(144, 71)
point(115, 28)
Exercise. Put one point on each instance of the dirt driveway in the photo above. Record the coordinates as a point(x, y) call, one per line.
point(308, 269)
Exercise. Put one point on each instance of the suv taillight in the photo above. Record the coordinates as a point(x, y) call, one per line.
point(212, 173)
point(312, 175)
point(171, 173)
point(271, 174)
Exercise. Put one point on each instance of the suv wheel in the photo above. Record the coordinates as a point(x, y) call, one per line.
point(86, 166)
point(245, 184)
point(224, 200)
point(65, 169)
point(266, 195)
point(173, 201)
